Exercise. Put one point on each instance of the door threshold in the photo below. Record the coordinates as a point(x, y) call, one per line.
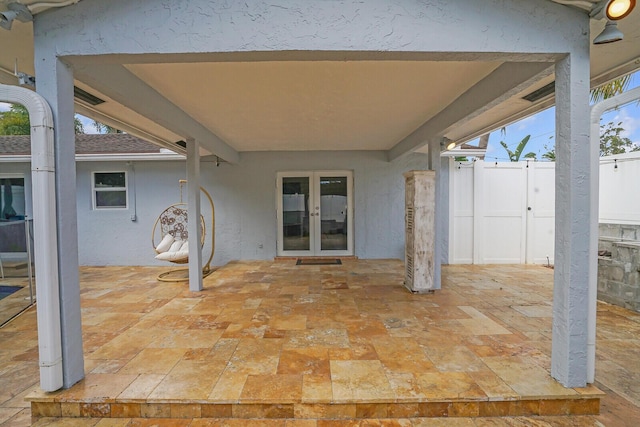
point(319, 261)
point(319, 258)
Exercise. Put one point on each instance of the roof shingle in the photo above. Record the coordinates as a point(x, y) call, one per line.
point(109, 143)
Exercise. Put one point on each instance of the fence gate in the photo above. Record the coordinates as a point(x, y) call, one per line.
point(502, 213)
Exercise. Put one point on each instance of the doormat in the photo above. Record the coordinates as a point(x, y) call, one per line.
point(5, 291)
point(319, 261)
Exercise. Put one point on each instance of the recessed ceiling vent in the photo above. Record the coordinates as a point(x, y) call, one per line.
point(85, 96)
point(543, 92)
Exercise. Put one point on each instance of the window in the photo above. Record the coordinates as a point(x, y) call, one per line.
point(12, 200)
point(109, 190)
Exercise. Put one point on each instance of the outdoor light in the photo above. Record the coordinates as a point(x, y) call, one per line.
point(618, 9)
point(16, 11)
point(451, 145)
point(613, 10)
point(610, 34)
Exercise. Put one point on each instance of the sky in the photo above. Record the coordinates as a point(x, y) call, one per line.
point(540, 126)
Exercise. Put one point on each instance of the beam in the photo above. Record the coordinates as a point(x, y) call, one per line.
point(119, 84)
point(504, 82)
point(128, 128)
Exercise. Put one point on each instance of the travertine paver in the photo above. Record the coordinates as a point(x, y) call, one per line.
point(260, 324)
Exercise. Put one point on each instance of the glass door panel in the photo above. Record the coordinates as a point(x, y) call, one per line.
point(295, 214)
point(314, 213)
point(333, 213)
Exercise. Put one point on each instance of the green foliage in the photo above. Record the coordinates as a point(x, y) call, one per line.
point(611, 141)
point(608, 90)
point(514, 156)
point(102, 128)
point(78, 128)
point(15, 121)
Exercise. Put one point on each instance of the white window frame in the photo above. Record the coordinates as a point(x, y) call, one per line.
point(95, 190)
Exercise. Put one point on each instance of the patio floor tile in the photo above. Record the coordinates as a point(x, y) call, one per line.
point(332, 343)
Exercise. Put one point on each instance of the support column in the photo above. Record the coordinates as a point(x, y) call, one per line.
point(441, 166)
point(442, 213)
point(55, 84)
point(193, 209)
point(573, 216)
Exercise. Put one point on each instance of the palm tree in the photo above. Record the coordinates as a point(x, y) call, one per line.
point(608, 90)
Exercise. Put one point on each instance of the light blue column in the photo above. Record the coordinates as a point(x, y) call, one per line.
point(193, 209)
point(441, 247)
point(573, 206)
point(442, 212)
point(54, 81)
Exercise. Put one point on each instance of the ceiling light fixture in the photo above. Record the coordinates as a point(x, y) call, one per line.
point(451, 145)
point(613, 10)
point(15, 11)
point(618, 9)
point(610, 34)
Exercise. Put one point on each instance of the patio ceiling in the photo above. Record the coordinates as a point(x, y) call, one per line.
point(327, 104)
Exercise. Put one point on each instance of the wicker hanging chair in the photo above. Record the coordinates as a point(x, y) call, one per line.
point(170, 238)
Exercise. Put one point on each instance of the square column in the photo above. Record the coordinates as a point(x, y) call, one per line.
point(420, 256)
point(442, 167)
point(573, 206)
point(55, 83)
point(193, 209)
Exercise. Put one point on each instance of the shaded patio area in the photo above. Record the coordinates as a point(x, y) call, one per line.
point(308, 342)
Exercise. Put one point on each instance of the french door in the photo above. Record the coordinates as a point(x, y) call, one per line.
point(315, 213)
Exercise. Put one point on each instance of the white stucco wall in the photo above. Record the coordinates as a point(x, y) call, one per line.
point(245, 203)
point(181, 26)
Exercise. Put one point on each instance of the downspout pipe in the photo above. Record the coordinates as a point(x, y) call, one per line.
point(596, 112)
point(46, 237)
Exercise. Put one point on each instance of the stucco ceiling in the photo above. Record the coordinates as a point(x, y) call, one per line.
point(307, 105)
point(317, 105)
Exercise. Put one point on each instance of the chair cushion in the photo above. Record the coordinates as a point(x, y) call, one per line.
point(179, 251)
point(165, 244)
point(175, 246)
point(173, 256)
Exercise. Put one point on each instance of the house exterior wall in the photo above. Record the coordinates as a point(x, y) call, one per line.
point(245, 204)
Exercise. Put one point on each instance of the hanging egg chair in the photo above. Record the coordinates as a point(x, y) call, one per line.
point(170, 238)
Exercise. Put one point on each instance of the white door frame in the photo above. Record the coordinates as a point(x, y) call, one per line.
point(315, 230)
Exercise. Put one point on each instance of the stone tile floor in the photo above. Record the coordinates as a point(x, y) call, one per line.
point(16, 302)
point(272, 336)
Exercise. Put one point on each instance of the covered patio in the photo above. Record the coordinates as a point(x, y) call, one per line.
point(285, 341)
point(196, 78)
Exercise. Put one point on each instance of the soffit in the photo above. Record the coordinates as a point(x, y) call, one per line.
point(310, 105)
point(319, 105)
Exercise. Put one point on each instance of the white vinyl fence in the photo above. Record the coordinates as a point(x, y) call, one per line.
point(504, 213)
point(620, 189)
